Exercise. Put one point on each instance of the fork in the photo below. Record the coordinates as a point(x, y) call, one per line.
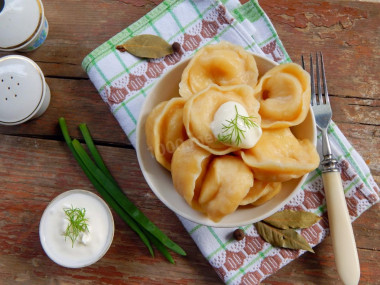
point(344, 246)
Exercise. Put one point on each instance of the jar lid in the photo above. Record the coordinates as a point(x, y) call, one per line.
point(19, 21)
point(21, 89)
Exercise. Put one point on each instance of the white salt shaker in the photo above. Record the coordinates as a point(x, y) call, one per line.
point(24, 94)
point(23, 26)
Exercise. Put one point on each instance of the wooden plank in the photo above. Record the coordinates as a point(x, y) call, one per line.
point(347, 32)
point(70, 39)
point(29, 179)
point(78, 27)
point(78, 102)
point(35, 180)
point(359, 121)
point(34, 170)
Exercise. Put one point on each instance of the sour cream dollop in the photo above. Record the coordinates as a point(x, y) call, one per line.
point(231, 113)
point(91, 245)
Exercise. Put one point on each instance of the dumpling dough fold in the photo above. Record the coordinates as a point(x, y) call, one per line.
point(189, 165)
point(165, 131)
point(223, 64)
point(200, 109)
point(280, 156)
point(226, 183)
point(261, 190)
point(284, 96)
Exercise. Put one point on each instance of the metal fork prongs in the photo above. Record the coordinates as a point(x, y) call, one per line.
point(320, 103)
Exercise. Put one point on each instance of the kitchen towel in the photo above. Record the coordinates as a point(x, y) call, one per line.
point(123, 81)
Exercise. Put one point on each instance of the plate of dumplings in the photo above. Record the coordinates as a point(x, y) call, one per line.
point(227, 137)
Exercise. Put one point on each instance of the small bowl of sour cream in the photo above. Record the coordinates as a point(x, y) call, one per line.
point(76, 229)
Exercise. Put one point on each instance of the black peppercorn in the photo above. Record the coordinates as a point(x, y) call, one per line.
point(238, 234)
point(176, 47)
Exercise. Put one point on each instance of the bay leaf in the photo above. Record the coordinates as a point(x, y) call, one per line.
point(146, 46)
point(288, 238)
point(290, 219)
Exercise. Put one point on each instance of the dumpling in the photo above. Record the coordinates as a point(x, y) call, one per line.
point(275, 188)
point(280, 156)
point(226, 183)
point(261, 189)
point(284, 96)
point(189, 165)
point(200, 109)
point(223, 64)
point(165, 131)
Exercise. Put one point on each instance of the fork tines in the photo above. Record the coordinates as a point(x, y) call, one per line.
point(318, 71)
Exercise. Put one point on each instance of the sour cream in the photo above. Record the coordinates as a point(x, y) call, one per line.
point(227, 112)
point(91, 245)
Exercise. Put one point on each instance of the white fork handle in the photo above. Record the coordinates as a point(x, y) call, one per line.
point(345, 252)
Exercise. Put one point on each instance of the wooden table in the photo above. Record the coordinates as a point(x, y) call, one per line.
point(36, 165)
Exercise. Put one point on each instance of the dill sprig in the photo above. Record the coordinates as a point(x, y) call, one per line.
point(233, 130)
point(77, 223)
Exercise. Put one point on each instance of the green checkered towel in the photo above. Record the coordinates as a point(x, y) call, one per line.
point(124, 80)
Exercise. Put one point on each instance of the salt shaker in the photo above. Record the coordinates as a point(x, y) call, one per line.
point(24, 94)
point(23, 26)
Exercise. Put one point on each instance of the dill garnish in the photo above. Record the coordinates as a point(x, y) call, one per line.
point(233, 129)
point(77, 223)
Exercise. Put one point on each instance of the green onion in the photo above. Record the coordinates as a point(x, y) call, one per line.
point(125, 217)
point(123, 201)
point(103, 181)
point(94, 152)
point(161, 248)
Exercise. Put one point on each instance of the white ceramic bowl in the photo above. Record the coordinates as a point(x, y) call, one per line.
point(101, 229)
point(159, 179)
